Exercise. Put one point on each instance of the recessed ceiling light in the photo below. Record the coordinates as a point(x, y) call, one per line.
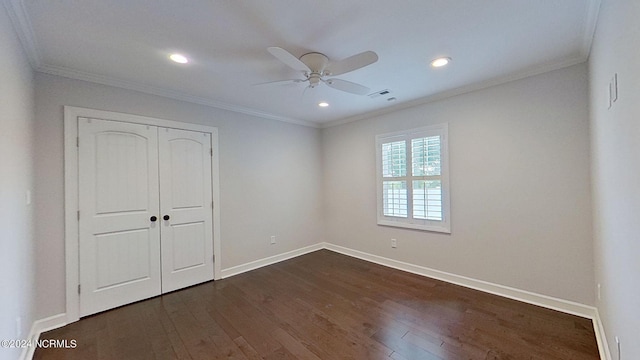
point(179, 58)
point(440, 61)
point(323, 104)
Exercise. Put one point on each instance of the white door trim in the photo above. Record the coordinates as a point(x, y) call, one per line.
point(71, 115)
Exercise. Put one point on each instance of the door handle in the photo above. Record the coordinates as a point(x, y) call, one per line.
point(166, 217)
point(153, 219)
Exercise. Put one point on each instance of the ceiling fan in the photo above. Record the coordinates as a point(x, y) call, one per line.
point(316, 67)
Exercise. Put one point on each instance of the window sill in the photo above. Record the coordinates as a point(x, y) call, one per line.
point(400, 224)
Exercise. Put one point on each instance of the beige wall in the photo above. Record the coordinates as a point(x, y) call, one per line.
point(521, 197)
point(520, 201)
point(519, 176)
point(269, 177)
point(615, 142)
point(17, 286)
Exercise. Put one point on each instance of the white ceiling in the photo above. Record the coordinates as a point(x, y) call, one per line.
point(126, 43)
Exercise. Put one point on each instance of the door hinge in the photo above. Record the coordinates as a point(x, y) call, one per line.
point(78, 214)
point(212, 205)
point(214, 257)
point(78, 288)
point(211, 151)
point(77, 141)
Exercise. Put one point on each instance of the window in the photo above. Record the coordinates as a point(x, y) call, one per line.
point(413, 179)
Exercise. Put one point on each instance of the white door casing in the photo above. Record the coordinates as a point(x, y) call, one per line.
point(124, 250)
point(72, 115)
point(185, 199)
point(118, 192)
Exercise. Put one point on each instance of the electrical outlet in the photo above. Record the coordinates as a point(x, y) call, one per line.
point(394, 243)
point(273, 239)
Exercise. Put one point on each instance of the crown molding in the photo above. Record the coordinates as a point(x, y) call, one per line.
point(592, 11)
point(591, 22)
point(532, 71)
point(23, 28)
point(164, 92)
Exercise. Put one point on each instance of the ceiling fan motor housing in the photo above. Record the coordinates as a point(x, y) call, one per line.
point(317, 62)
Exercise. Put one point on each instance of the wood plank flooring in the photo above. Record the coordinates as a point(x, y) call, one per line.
point(325, 305)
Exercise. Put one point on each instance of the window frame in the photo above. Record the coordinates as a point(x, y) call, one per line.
point(443, 226)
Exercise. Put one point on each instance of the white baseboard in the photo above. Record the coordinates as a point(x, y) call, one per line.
point(545, 301)
point(239, 269)
point(549, 302)
point(601, 337)
point(40, 326)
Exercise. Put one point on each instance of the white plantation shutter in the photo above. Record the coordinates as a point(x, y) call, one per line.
point(395, 198)
point(413, 184)
point(394, 159)
point(394, 171)
point(427, 199)
point(427, 192)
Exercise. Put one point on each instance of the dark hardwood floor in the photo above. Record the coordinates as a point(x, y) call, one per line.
point(325, 305)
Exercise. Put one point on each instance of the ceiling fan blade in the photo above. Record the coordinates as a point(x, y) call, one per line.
point(347, 86)
point(287, 58)
point(280, 82)
point(352, 63)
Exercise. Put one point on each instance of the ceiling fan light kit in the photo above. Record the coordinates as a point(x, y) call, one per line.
point(316, 66)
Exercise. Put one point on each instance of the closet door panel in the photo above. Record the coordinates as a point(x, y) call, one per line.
point(185, 201)
point(118, 192)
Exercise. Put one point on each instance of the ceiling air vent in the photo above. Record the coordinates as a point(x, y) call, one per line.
point(384, 92)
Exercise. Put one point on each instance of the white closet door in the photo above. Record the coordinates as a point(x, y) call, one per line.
point(185, 200)
point(118, 191)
